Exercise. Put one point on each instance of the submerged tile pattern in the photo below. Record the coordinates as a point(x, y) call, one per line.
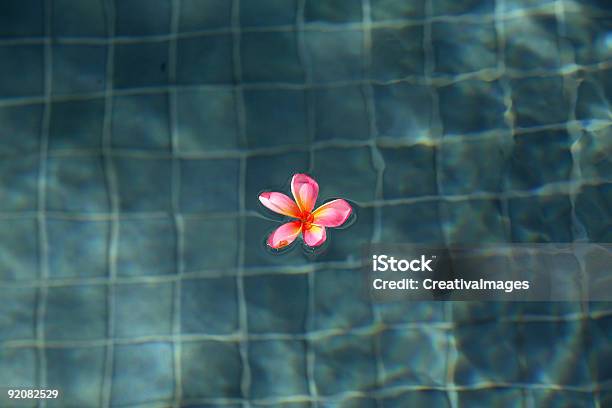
point(136, 135)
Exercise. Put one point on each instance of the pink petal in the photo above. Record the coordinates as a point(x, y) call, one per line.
point(280, 203)
point(332, 214)
point(305, 191)
point(284, 235)
point(314, 236)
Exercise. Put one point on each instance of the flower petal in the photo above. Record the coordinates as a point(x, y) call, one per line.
point(332, 214)
point(305, 191)
point(284, 235)
point(314, 236)
point(280, 203)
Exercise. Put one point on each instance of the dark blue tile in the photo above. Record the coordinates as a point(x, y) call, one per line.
point(143, 184)
point(143, 309)
point(600, 350)
point(77, 248)
point(146, 368)
point(484, 398)
point(333, 12)
point(141, 122)
point(206, 120)
point(275, 117)
point(137, 17)
point(141, 65)
point(541, 219)
point(18, 315)
point(203, 301)
point(211, 369)
point(397, 10)
point(76, 184)
point(561, 398)
point(266, 13)
point(593, 204)
point(537, 111)
point(589, 37)
point(335, 55)
point(592, 102)
point(271, 57)
point(202, 189)
point(414, 223)
point(211, 244)
point(397, 52)
point(403, 111)
point(353, 402)
point(146, 247)
point(78, 373)
point(341, 113)
point(420, 398)
point(427, 368)
point(18, 183)
point(19, 252)
point(474, 221)
point(540, 158)
point(344, 363)
point(15, 82)
point(76, 124)
point(276, 303)
point(19, 21)
point(21, 127)
point(85, 18)
point(464, 47)
point(409, 171)
point(205, 60)
point(472, 106)
point(532, 46)
point(472, 7)
point(79, 69)
point(283, 360)
point(18, 368)
point(76, 312)
point(198, 15)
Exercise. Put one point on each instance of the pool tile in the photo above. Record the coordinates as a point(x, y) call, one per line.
point(18, 368)
point(76, 390)
point(335, 55)
point(353, 402)
point(155, 255)
point(275, 118)
point(484, 398)
point(560, 398)
point(427, 368)
point(143, 183)
point(403, 111)
point(271, 57)
point(283, 360)
point(144, 367)
point(76, 184)
point(464, 47)
point(414, 223)
point(420, 398)
point(143, 309)
point(210, 244)
point(419, 311)
point(19, 21)
point(209, 185)
point(471, 7)
point(409, 171)
point(85, 18)
point(589, 36)
point(591, 102)
point(204, 60)
point(198, 15)
point(541, 219)
point(211, 369)
point(344, 363)
point(341, 113)
point(600, 351)
point(266, 13)
point(593, 211)
point(140, 65)
point(14, 83)
point(76, 124)
point(342, 300)
point(18, 315)
point(523, 52)
point(76, 312)
point(19, 183)
point(397, 52)
point(394, 10)
point(21, 127)
point(69, 64)
point(340, 11)
point(269, 313)
point(203, 115)
point(77, 248)
point(472, 106)
point(137, 17)
point(530, 111)
point(209, 306)
point(475, 221)
point(141, 122)
point(19, 251)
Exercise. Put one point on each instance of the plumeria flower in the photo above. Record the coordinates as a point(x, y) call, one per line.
point(311, 224)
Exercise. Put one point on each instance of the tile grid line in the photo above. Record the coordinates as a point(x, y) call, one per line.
point(43, 239)
point(175, 199)
point(378, 164)
point(245, 380)
point(306, 63)
point(113, 193)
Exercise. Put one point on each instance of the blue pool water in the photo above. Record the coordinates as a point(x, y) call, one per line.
point(135, 136)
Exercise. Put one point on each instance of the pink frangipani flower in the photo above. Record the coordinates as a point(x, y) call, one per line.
point(311, 224)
